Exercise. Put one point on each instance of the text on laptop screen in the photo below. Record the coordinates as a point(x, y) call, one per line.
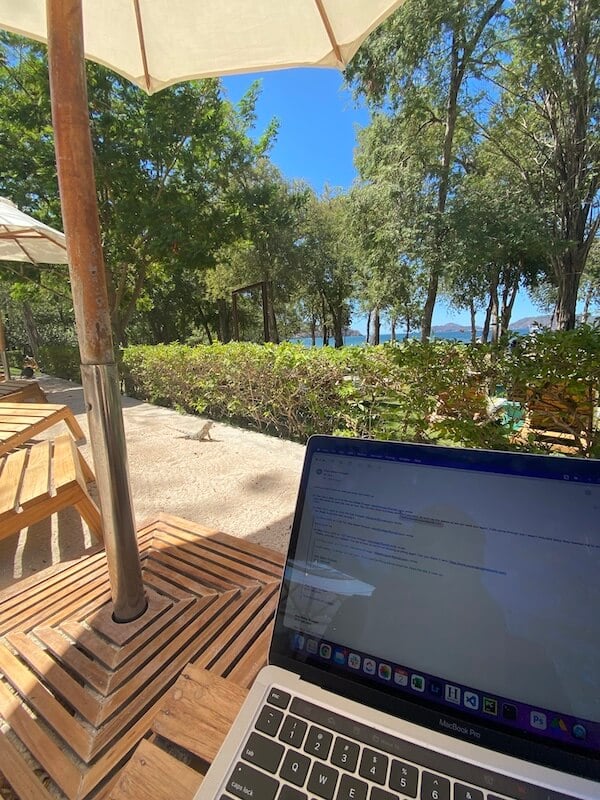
point(469, 587)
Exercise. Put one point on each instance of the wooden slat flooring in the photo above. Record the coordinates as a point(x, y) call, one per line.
point(79, 692)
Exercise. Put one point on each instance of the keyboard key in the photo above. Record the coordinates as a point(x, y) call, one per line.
point(373, 765)
point(293, 731)
point(381, 794)
point(322, 781)
point(295, 768)
point(279, 698)
point(269, 720)
point(263, 752)
point(318, 742)
point(345, 754)
point(466, 793)
point(288, 793)
point(247, 782)
point(352, 789)
point(404, 778)
point(434, 787)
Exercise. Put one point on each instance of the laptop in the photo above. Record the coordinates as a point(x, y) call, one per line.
point(437, 634)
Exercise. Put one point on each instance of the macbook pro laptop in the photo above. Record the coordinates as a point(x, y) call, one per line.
point(437, 634)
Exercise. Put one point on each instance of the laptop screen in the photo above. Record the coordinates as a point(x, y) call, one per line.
point(455, 581)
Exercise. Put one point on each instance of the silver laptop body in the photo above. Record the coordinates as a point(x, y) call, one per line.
point(437, 634)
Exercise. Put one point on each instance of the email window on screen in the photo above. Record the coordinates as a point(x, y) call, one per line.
point(483, 578)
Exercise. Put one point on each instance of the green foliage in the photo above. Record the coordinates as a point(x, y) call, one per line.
point(557, 375)
point(60, 360)
point(414, 392)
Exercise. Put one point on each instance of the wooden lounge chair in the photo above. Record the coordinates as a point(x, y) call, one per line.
point(41, 480)
point(21, 422)
point(14, 391)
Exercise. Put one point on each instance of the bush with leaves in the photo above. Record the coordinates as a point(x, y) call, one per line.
point(60, 360)
point(412, 392)
point(556, 374)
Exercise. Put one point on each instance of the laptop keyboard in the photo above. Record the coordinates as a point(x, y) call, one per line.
point(300, 751)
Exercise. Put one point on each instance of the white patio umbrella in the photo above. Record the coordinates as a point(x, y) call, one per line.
point(23, 238)
point(155, 43)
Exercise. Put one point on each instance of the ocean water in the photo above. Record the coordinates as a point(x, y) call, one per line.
point(459, 336)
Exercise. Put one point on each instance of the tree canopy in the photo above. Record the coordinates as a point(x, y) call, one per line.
point(477, 178)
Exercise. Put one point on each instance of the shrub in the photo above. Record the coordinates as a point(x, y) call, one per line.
point(432, 392)
point(60, 360)
point(556, 375)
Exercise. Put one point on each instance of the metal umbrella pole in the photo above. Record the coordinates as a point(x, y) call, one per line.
point(99, 372)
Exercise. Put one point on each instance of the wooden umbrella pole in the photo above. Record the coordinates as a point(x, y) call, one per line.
point(74, 160)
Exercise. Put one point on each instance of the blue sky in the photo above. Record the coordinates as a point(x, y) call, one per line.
point(318, 119)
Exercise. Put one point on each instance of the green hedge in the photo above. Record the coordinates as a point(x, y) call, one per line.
point(60, 360)
point(413, 391)
point(433, 392)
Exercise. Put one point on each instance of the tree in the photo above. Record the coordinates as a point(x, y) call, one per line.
point(419, 63)
point(499, 242)
point(590, 282)
point(388, 274)
point(547, 128)
point(266, 213)
point(164, 167)
point(328, 263)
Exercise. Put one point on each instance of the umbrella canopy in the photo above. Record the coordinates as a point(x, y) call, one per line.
point(23, 238)
point(156, 43)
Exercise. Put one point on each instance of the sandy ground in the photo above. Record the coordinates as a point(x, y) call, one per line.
point(243, 483)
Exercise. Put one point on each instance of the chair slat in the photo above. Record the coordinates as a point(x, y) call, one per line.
point(36, 481)
point(10, 481)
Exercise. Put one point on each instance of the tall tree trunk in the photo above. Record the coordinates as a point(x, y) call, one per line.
point(485, 333)
point(224, 321)
point(33, 336)
point(273, 334)
point(376, 326)
point(337, 316)
point(568, 268)
point(369, 327)
point(325, 327)
point(393, 328)
point(587, 302)
point(473, 326)
point(509, 295)
point(205, 325)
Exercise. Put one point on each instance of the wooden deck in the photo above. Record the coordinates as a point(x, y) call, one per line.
point(79, 692)
point(190, 726)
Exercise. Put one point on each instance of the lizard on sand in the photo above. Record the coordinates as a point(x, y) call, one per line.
point(202, 434)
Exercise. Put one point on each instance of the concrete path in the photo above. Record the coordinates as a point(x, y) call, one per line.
point(243, 483)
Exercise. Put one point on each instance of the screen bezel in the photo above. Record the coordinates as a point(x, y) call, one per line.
point(493, 735)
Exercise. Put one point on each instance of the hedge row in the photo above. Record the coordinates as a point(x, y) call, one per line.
point(419, 392)
point(436, 391)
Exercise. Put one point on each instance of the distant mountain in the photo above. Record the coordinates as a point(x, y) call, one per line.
point(525, 323)
point(450, 327)
point(518, 325)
